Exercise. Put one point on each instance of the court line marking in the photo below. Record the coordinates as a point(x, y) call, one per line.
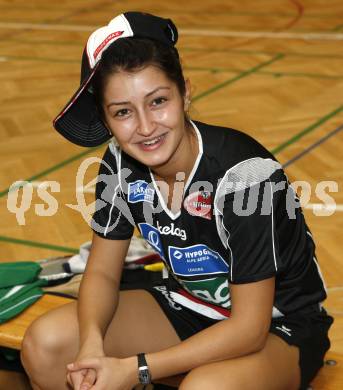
point(337, 28)
point(38, 244)
point(299, 15)
point(185, 32)
point(307, 130)
point(238, 77)
point(313, 146)
point(299, 74)
point(323, 207)
point(86, 190)
point(265, 72)
point(82, 189)
point(263, 34)
point(336, 288)
point(54, 168)
point(262, 52)
point(43, 59)
point(29, 7)
point(332, 290)
point(191, 68)
point(230, 50)
point(47, 26)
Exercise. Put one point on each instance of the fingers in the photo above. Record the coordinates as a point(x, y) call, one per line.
point(88, 380)
point(75, 379)
point(86, 363)
point(69, 380)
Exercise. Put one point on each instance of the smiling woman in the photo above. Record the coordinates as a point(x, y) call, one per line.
point(243, 290)
point(142, 99)
point(144, 111)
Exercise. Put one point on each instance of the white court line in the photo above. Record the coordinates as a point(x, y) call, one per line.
point(191, 32)
point(51, 27)
point(323, 207)
point(337, 288)
point(264, 34)
point(86, 190)
point(35, 184)
point(330, 291)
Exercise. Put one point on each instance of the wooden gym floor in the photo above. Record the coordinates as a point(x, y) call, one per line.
point(271, 68)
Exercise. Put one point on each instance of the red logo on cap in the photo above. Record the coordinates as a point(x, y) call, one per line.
point(105, 42)
point(199, 204)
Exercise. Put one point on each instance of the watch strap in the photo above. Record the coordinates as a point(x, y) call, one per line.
point(141, 360)
point(143, 370)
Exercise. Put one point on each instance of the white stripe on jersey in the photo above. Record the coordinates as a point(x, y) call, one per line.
point(318, 267)
point(197, 307)
point(272, 204)
point(320, 274)
point(116, 151)
point(110, 213)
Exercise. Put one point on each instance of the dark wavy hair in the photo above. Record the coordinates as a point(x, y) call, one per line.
point(132, 54)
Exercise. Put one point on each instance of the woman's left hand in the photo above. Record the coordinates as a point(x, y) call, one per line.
point(111, 373)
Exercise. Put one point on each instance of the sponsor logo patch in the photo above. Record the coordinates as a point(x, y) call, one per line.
point(214, 290)
point(199, 204)
point(105, 42)
point(196, 260)
point(172, 230)
point(140, 191)
point(152, 236)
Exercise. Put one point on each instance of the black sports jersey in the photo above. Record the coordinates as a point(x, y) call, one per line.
point(240, 222)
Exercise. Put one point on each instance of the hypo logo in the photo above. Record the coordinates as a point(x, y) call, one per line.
point(178, 255)
point(151, 234)
point(139, 191)
point(196, 260)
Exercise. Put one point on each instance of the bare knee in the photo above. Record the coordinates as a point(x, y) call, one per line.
point(38, 346)
point(48, 343)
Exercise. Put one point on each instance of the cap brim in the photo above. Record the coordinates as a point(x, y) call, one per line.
point(79, 121)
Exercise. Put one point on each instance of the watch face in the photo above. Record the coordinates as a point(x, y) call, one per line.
point(144, 376)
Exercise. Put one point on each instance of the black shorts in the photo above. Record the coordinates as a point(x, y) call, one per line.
point(307, 329)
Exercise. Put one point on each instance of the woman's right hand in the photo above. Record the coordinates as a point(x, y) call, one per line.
point(98, 299)
point(85, 378)
point(82, 380)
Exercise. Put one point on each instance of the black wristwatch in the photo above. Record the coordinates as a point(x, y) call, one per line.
point(143, 370)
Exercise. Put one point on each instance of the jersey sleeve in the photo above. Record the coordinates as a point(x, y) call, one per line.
point(248, 221)
point(112, 218)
